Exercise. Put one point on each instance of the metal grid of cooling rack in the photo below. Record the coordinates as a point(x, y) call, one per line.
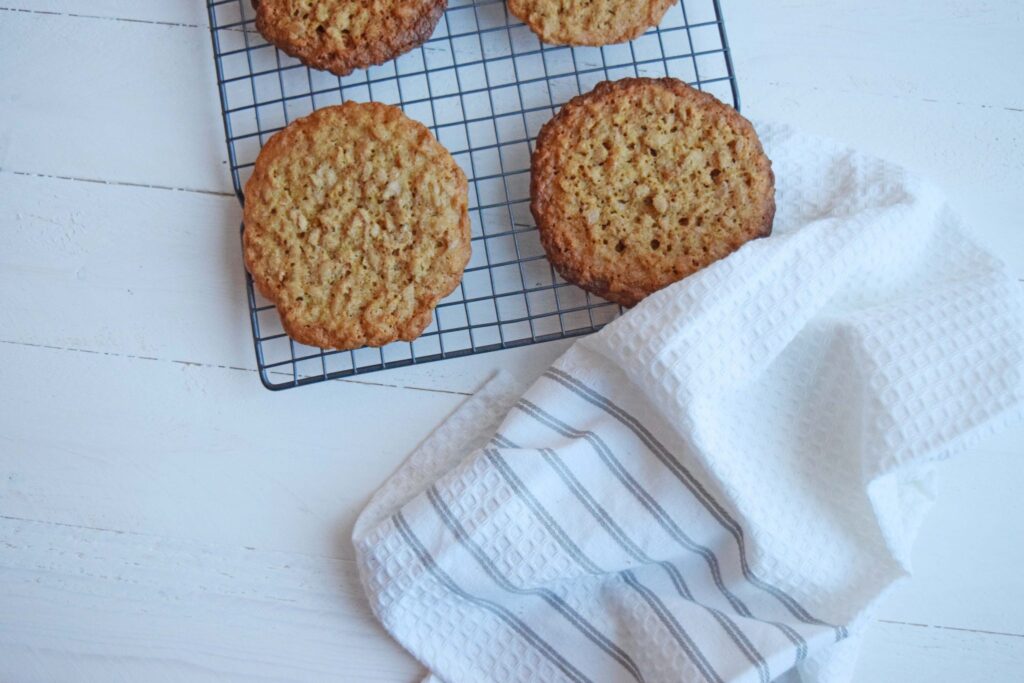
point(484, 85)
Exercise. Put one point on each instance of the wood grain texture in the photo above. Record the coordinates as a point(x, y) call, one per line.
point(927, 85)
point(197, 452)
point(968, 554)
point(107, 105)
point(164, 518)
point(916, 653)
point(187, 12)
point(167, 610)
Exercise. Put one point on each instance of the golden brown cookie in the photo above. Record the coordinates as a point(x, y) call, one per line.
point(344, 35)
point(356, 225)
point(641, 182)
point(589, 22)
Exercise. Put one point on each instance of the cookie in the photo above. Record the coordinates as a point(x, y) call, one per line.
point(343, 35)
point(589, 22)
point(356, 225)
point(641, 182)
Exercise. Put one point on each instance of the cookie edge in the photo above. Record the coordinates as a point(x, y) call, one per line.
point(313, 335)
point(656, 12)
point(345, 61)
point(543, 167)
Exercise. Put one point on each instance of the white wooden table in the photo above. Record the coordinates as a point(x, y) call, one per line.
point(163, 517)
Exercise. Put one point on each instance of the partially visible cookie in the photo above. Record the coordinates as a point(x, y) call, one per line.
point(589, 22)
point(356, 225)
point(641, 182)
point(344, 35)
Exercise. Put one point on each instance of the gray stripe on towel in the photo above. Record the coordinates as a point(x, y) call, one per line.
point(584, 562)
point(616, 532)
point(557, 603)
point(538, 643)
point(664, 520)
point(699, 492)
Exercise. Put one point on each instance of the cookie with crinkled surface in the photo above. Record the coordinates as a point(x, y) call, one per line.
point(356, 226)
point(641, 182)
point(343, 35)
point(589, 22)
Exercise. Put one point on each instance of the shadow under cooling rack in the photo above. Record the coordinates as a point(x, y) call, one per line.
point(484, 85)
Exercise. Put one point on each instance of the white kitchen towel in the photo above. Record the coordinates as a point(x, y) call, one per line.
point(721, 484)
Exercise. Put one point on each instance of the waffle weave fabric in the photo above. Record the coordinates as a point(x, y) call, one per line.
point(723, 483)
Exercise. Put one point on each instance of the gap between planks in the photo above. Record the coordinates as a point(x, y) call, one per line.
point(951, 628)
point(123, 532)
point(895, 96)
point(54, 13)
point(215, 366)
point(120, 183)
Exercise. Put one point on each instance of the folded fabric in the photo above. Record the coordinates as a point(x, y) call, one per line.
point(721, 484)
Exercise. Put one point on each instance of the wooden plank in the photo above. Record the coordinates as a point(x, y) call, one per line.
point(976, 173)
point(915, 653)
point(85, 604)
point(968, 555)
point(200, 453)
point(118, 269)
point(953, 52)
point(921, 83)
point(157, 274)
point(187, 12)
point(109, 106)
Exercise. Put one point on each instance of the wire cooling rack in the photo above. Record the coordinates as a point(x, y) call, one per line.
point(484, 85)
